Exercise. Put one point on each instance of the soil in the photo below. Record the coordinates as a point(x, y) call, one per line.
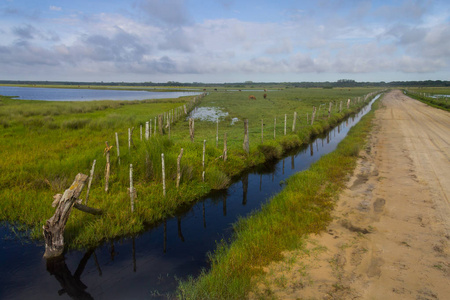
point(390, 234)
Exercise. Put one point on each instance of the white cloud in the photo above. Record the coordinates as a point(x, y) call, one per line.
point(55, 8)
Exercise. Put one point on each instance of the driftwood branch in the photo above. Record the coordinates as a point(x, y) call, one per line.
point(54, 227)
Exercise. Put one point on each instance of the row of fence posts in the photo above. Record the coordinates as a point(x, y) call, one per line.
point(174, 115)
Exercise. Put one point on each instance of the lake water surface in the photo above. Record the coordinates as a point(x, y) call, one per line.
point(56, 94)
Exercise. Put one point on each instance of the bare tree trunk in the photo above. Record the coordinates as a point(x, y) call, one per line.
point(54, 227)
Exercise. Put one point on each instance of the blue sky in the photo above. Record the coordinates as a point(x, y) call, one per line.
point(224, 40)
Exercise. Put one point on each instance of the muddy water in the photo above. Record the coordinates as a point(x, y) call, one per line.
point(149, 265)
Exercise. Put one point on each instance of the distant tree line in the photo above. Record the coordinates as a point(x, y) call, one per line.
point(246, 84)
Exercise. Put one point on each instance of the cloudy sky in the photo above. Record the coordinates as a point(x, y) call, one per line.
point(224, 40)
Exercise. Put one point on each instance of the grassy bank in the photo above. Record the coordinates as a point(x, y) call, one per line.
point(45, 144)
point(428, 96)
point(302, 208)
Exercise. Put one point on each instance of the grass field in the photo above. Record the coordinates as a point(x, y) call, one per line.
point(45, 144)
point(302, 208)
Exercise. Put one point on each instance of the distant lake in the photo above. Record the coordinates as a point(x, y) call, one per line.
point(54, 94)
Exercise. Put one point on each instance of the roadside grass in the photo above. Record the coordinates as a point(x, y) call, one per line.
point(45, 144)
point(427, 96)
point(302, 208)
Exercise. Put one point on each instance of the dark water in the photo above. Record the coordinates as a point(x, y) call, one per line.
point(148, 265)
point(54, 94)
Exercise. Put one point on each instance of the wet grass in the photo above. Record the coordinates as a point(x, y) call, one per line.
point(45, 144)
point(302, 208)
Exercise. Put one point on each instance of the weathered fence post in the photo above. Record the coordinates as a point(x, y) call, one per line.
point(329, 109)
point(340, 106)
point(147, 130)
point(140, 126)
point(179, 168)
point(117, 145)
point(163, 174)
point(348, 103)
point(91, 175)
point(274, 127)
point(225, 150)
point(129, 139)
point(54, 227)
point(203, 160)
point(294, 121)
point(217, 133)
point(160, 124)
point(154, 131)
point(246, 145)
point(131, 188)
point(285, 121)
point(191, 129)
point(262, 131)
point(108, 166)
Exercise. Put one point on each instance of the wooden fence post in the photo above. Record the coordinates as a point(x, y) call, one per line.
point(163, 174)
point(262, 131)
point(203, 160)
point(160, 124)
point(131, 188)
point(329, 109)
point(274, 128)
point(141, 131)
point(108, 166)
point(91, 175)
point(285, 121)
point(348, 103)
point(117, 145)
point(147, 130)
point(217, 133)
point(225, 150)
point(129, 139)
point(340, 107)
point(313, 115)
point(179, 168)
point(246, 145)
point(191, 129)
point(294, 121)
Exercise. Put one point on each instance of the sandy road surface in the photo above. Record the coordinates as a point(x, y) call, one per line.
point(391, 229)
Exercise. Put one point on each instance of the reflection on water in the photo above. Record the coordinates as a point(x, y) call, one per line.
point(149, 265)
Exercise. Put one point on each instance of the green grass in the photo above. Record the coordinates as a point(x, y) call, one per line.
point(302, 208)
point(45, 144)
point(425, 95)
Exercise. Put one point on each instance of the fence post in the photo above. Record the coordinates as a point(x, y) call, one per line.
point(141, 131)
point(91, 174)
point(225, 150)
point(163, 174)
point(147, 130)
point(217, 133)
point(117, 145)
point(274, 127)
point(329, 110)
point(131, 188)
point(203, 160)
point(179, 167)
point(340, 107)
point(191, 129)
point(262, 131)
point(285, 120)
point(160, 124)
point(294, 121)
point(108, 166)
point(246, 145)
point(313, 115)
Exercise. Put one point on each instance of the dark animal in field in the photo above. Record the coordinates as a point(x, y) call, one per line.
point(265, 96)
point(265, 90)
point(251, 97)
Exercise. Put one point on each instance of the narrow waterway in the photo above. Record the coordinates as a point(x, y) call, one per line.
point(148, 265)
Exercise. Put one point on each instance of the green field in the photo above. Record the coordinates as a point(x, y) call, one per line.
point(45, 144)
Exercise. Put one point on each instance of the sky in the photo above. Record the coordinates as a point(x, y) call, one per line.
point(219, 41)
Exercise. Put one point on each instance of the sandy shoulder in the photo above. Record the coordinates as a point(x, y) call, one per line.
point(391, 229)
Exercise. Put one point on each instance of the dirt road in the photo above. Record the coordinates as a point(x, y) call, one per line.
point(391, 229)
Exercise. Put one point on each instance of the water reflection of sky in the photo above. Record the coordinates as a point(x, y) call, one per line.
point(208, 114)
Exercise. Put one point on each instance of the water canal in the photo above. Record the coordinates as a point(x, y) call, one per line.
point(148, 266)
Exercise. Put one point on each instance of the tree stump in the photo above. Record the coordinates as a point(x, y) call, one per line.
point(54, 227)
